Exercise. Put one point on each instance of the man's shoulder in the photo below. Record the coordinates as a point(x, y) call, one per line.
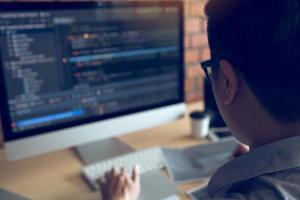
point(273, 186)
point(270, 172)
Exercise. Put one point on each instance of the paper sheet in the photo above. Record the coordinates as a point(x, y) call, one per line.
point(197, 162)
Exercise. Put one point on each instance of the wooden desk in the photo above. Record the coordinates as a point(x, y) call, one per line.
point(56, 176)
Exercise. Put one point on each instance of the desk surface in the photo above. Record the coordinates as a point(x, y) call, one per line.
point(56, 176)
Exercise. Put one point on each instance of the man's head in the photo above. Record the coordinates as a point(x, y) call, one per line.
point(258, 45)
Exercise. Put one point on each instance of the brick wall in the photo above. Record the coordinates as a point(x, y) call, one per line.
point(196, 46)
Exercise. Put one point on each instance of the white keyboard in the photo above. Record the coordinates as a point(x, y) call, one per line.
point(148, 160)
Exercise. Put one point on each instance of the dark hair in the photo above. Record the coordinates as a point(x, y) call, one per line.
point(261, 38)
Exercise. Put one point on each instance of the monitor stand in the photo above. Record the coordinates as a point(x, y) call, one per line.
point(102, 150)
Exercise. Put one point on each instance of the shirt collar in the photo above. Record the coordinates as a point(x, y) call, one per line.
point(273, 157)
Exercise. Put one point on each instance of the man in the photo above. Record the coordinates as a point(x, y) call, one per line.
point(255, 76)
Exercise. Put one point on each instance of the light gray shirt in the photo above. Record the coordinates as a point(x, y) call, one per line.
point(271, 172)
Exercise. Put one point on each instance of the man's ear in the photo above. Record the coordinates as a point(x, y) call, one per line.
point(232, 82)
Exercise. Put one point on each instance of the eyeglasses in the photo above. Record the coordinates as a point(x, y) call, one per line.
point(208, 67)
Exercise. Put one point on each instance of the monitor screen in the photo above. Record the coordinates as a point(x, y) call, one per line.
point(68, 64)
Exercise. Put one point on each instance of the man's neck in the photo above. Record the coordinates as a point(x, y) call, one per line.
point(273, 133)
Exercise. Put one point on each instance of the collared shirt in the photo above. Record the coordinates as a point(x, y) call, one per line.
point(269, 172)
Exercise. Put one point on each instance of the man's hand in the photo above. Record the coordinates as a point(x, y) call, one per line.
point(239, 150)
point(118, 185)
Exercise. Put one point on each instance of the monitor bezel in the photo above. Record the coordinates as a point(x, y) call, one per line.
point(9, 135)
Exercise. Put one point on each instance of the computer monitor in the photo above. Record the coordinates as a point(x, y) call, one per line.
point(73, 73)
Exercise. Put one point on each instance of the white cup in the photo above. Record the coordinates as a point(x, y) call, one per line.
point(200, 124)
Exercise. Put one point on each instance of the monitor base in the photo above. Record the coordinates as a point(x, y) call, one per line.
point(102, 150)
